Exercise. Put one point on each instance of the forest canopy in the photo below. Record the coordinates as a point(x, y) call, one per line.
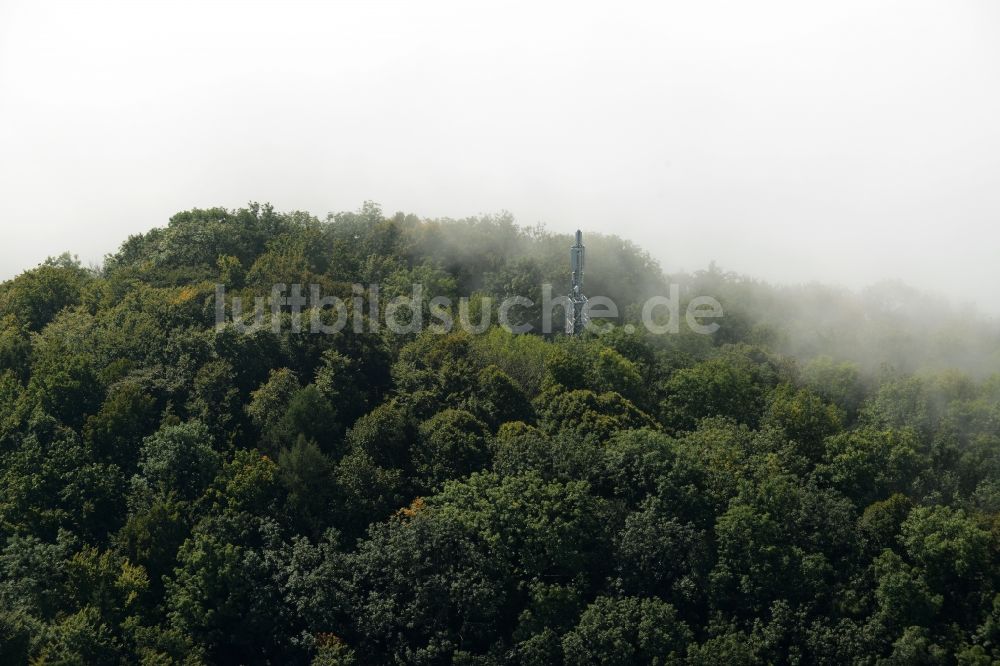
point(818, 481)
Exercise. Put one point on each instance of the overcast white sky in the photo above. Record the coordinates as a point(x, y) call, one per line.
point(843, 141)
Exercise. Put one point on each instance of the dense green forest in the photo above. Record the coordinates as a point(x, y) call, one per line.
point(816, 482)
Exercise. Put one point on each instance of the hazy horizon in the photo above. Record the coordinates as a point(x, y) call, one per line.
point(846, 144)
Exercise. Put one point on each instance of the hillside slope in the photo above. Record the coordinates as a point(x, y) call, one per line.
point(794, 488)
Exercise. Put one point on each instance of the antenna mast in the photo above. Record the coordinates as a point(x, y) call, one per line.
point(576, 258)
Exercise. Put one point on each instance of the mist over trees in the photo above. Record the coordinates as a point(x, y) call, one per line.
point(816, 482)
